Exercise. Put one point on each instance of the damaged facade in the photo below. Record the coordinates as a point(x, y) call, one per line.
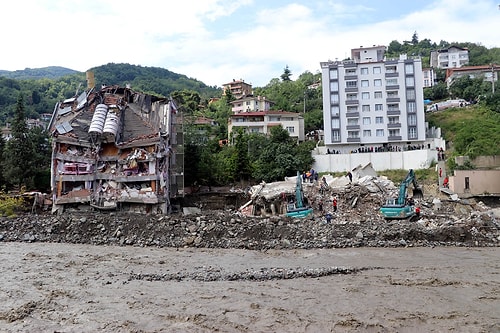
point(116, 149)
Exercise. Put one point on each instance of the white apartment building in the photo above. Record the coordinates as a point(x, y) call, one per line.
point(262, 122)
point(451, 57)
point(373, 104)
point(251, 103)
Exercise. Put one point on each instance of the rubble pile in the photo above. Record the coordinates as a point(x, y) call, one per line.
point(230, 229)
point(357, 222)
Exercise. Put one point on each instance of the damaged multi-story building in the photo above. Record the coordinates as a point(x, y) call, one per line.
point(115, 148)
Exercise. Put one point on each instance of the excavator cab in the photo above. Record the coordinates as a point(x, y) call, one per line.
point(403, 207)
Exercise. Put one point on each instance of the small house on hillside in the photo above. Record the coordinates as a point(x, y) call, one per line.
point(115, 148)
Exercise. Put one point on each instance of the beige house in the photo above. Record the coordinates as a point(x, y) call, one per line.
point(238, 88)
point(475, 182)
point(263, 121)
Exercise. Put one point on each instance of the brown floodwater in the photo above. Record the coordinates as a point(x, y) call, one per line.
point(48, 287)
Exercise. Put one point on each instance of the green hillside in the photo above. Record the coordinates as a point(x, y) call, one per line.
point(52, 72)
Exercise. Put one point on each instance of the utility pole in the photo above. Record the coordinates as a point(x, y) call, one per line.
point(493, 78)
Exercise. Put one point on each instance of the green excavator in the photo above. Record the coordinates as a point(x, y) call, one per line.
point(403, 207)
point(298, 208)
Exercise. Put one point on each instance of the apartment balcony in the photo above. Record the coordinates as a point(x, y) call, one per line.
point(352, 114)
point(392, 100)
point(352, 127)
point(349, 63)
point(394, 125)
point(393, 112)
point(392, 87)
point(353, 139)
point(352, 102)
point(394, 138)
point(351, 89)
point(351, 77)
point(391, 74)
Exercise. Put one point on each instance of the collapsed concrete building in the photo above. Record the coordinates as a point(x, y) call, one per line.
point(115, 148)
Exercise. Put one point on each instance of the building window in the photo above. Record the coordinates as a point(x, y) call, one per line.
point(350, 71)
point(410, 81)
point(410, 94)
point(379, 107)
point(335, 110)
point(380, 132)
point(365, 83)
point(394, 132)
point(378, 94)
point(393, 107)
point(409, 68)
point(290, 129)
point(377, 70)
point(334, 74)
point(367, 133)
point(352, 108)
point(334, 86)
point(365, 95)
point(412, 119)
point(364, 70)
point(366, 108)
point(367, 121)
point(392, 94)
point(393, 120)
point(412, 107)
point(335, 135)
point(377, 83)
point(379, 120)
point(412, 132)
point(335, 123)
point(391, 81)
point(352, 121)
point(334, 98)
point(351, 84)
point(353, 134)
point(352, 97)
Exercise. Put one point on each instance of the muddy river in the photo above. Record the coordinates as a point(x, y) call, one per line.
point(48, 287)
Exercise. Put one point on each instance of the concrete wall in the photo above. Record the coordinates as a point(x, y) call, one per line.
point(481, 161)
point(480, 182)
point(414, 159)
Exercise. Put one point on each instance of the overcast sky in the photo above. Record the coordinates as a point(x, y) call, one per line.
point(216, 41)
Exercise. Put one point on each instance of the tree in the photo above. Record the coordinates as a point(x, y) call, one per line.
point(414, 38)
point(17, 156)
point(286, 74)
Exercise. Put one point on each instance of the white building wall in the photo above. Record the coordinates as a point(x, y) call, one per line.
point(415, 159)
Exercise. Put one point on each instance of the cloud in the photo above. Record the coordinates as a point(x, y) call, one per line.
point(215, 41)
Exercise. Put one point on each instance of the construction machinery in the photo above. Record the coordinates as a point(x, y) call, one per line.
point(403, 206)
point(298, 208)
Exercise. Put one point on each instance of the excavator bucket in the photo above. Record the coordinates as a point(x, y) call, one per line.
point(418, 193)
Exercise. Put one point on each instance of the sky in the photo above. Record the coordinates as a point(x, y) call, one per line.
point(216, 41)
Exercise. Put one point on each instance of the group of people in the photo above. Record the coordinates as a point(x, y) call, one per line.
point(310, 175)
point(380, 149)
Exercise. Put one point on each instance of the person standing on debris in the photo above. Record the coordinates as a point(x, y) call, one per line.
point(349, 174)
point(440, 172)
point(320, 206)
point(445, 182)
point(328, 217)
point(334, 204)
